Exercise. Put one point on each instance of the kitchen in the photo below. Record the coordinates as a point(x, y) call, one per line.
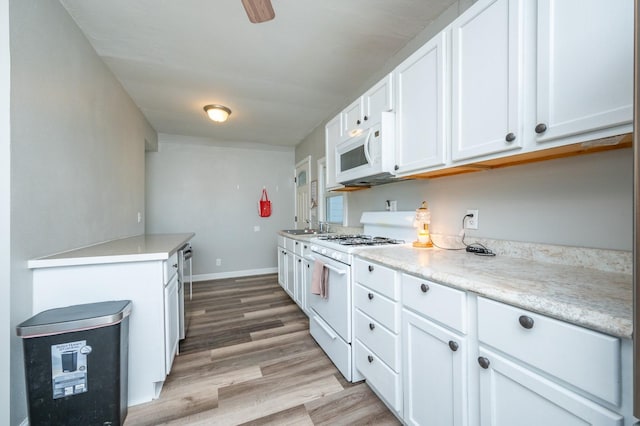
point(588, 198)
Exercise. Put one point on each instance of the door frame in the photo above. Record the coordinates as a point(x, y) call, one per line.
point(305, 162)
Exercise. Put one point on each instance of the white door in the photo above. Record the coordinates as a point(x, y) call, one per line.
point(513, 395)
point(585, 66)
point(434, 373)
point(487, 74)
point(421, 128)
point(303, 193)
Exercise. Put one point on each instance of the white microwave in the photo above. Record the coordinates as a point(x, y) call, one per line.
point(367, 158)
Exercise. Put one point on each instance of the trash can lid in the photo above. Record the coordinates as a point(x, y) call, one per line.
point(74, 318)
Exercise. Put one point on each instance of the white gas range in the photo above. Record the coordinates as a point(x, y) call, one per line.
point(331, 317)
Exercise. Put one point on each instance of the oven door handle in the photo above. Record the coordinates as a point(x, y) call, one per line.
point(329, 267)
point(329, 332)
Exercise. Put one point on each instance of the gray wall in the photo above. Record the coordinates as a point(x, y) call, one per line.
point(213, 188)
point(581, 201)
point(77, 154)
point(5, 211)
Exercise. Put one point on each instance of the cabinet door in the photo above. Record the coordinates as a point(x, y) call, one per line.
point(435, 387)
point(377, 100)
point(487, 72)
point(513, 395)
point(307, 267)
point(282, 267)
point(352, 118)
point(333, 135)
point(420, 119)
point(171, 322)
point(585, 66)
point(299, 280)
point(291, 274)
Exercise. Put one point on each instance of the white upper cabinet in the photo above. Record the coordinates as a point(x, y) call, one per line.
point(487, 75)
point(421, 117)
point(584, 68)
point(333, 135)
point(365, 111)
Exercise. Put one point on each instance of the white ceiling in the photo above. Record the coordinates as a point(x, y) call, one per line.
point(280, 78)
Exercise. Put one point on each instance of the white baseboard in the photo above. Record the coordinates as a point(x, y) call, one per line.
point(234, 274)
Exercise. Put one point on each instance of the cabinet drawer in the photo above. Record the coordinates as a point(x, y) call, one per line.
point(302, 248)
point(289, 244)
point(170, 267)
point(438, 302)
point(380, 340)
point(377, 277)
point(581, 357)
point(378, 375)
point(378, 307)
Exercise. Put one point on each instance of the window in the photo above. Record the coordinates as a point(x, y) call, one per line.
point(332, 206)
point(335, 208)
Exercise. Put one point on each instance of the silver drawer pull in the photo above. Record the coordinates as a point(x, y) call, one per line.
point(370, 358)
point(484, 362)
point(371, 326)
point(453, 345)
point(370, 268)
point(370, 296)
point(424, 288)
point(526, 322)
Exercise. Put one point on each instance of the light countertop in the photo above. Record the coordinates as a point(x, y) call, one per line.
point(140, 248)
point(592, 298)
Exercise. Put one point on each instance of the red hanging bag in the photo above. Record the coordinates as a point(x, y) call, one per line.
point(265, 205)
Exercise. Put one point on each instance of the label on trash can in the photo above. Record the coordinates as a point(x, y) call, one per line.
point(69, 368)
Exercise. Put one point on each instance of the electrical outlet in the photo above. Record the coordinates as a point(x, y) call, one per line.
point(471, 222)
point(218, 262)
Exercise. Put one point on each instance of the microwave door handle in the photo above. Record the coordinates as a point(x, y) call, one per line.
point(367, 143)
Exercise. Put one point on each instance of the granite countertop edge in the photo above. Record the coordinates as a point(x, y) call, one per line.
point(139, 248)
point(573, 294)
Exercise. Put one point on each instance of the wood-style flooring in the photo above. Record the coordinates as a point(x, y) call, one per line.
point(248, 359)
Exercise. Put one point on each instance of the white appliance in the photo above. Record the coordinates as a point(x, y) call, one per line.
point(185, 268)
point(331, 318)
point(367, 157)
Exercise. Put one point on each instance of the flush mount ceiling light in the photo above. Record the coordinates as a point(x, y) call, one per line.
point(217, 113)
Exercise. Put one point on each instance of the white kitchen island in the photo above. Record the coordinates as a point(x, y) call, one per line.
point(142, 269)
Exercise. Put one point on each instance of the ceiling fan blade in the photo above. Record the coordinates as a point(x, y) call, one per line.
point(259, 10)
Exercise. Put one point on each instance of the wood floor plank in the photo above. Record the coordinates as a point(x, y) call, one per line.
point(249, 359)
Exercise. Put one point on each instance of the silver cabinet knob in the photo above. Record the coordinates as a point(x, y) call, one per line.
point(541, 128)
point(370, 296)
point(526, 322)
point(371, 326)
point(370, 358)
point(510, 137)
point(453, 345)
point(370, 268)
point(424, 288)
point(484, 362)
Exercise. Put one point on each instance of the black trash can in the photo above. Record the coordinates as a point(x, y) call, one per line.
point(76, 364)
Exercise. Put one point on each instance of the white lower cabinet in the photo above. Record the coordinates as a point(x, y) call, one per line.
point(294, 269)
point(437, 355)
point(376, 328)
point(435, 385)
point(282, 267)
point(171, 321)
point(512, 394)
